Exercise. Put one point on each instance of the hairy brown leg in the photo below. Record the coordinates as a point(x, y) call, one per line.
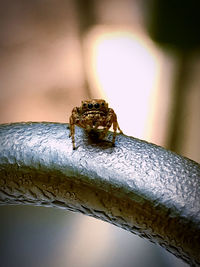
point(119, 128)
point(72, 131)
point(106, 128)
point(108, 124)
point(111, 119)
point(115, 127)
point(115, 124)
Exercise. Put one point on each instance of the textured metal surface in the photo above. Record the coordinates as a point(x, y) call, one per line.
point(136, 185)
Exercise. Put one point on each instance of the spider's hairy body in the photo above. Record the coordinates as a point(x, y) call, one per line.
point(91, 115)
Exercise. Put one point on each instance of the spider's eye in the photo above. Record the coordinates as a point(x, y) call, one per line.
point(84, 105)
point(103, 104)
point(96, 105)
point(90, 106)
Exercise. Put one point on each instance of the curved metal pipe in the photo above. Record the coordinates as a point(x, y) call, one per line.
point(136, 185)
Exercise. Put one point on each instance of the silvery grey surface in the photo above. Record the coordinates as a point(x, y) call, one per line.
point(136, 185)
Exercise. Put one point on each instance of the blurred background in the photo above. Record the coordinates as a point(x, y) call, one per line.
point(143, 58)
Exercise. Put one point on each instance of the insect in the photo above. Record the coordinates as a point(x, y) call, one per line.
point(91, 115)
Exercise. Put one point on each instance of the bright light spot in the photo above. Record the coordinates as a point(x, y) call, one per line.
point(123, 68)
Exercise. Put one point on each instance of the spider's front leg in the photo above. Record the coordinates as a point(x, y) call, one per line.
point(72, 131)
point(72, 122)
point(113, 119)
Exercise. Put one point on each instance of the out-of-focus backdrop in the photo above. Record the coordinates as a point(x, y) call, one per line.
point(143, 58)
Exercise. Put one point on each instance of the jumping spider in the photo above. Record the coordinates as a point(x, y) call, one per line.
point(92, 114)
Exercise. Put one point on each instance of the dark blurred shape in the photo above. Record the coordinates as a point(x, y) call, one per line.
point(86, 19)
point(175, 23)
point(86, 14)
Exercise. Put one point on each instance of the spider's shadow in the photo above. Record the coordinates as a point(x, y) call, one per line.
point(93, 138)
